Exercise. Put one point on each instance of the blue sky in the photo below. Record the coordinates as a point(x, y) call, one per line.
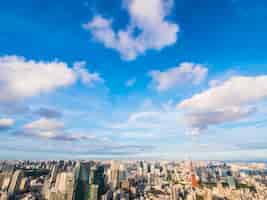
point(155, 79)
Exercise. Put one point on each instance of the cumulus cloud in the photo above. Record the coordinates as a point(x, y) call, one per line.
point(184, 73)
point(6, 123)
point(21, 78)
point(236, 91)
point(84, 75)
point(147, 29)
point(230, 101)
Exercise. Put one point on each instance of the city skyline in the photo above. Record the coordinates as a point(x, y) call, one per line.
point(133, 79)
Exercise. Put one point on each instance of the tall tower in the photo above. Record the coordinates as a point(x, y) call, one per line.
point(194, 182)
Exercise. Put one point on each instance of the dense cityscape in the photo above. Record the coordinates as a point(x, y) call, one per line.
point(125, 180)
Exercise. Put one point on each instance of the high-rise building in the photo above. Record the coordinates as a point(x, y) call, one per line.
point(92, 175)
point(53, 175)
point(60, 185)
point(99, 180)
point(2, 177)
point(81, 176)
point(70, 186)
point(114, 174)
point(15, 182)
point(231, 182)
point(24, 184)
point(107, 196)
point(6, 183)
point(122, 173)
point(65, 184)
point(174, 192)
point(93, 192)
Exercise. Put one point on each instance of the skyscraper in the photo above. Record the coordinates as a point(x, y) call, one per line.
point(15, 182)
point(93, 192)
point(114, 174)
point(81, 174)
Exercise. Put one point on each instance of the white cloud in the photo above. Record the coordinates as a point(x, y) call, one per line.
point(145, 119)
point(44, 124)
point(185, 72)
point(230, 101)
point(130, 82)
point(214, 83)
point(53, 129)
point(45, 134)
point(6, 123)
point(46, 129)
point(221, 78)
point(236, 91)
point(137, 134)
point(21, 78)
point(84, 75)
point(143, 116)
point(148, 18)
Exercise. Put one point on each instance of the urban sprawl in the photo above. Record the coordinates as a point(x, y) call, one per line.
point(132, 180)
